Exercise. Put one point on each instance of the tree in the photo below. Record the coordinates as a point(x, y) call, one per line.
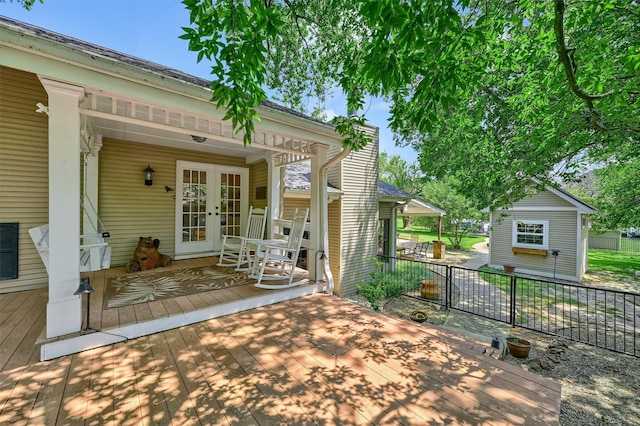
point(618, 199)
point(27, 4)
point(458, 207)
point(401, 174)
point(492, 92)
point(545, 109)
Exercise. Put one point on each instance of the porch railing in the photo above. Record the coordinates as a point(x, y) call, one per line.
point(600, 317)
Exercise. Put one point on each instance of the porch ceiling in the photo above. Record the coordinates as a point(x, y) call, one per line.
point(133, 120)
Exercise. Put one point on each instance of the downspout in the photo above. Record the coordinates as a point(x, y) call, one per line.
point(325, 220)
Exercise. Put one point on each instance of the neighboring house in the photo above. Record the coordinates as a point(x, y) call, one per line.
point(529, 233)
point(78, 125)
point(395, 202)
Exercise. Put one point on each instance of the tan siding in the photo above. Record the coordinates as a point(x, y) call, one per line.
point(562, 236)
point(359, 215)
point(291, 204)
point(258, 176)
point(543, 199)
point(24, 170)
point(335, 236)
point(128, 208)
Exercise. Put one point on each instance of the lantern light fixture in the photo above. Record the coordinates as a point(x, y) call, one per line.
point(148, 175)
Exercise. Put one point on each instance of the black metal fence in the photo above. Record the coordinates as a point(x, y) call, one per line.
point(596, 316)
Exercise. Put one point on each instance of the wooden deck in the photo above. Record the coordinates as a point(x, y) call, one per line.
point(316, 359)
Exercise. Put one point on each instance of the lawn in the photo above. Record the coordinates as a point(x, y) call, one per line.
point(425, 236)
point(614, 262)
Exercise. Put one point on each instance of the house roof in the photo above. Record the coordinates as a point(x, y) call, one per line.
point(413, 206)
point(297, 177)
point(387, 190)
point(95, 51)
point(583, 206)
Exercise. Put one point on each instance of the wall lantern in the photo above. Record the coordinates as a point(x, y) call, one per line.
point(148, 175)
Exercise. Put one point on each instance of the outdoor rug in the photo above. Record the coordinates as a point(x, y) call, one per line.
point(146, 287)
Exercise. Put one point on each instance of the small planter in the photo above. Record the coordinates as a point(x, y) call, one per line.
point(430, 289)
point(418, 316)
point(518, 348)
point(509, 269)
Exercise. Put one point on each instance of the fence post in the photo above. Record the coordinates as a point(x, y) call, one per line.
point(447, 290)
point(512, 307)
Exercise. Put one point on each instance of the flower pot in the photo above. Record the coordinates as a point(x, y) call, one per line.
point(430, 289)
point(418, 316)
point(518, 348)
point(509, 269)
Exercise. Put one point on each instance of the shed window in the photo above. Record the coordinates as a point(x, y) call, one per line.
point(531, 234)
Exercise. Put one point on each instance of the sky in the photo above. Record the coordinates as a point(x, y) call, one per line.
point(149, 29)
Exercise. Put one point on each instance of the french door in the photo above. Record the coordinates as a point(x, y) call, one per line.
point(211, 201)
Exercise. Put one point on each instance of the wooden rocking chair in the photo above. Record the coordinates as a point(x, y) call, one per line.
point(234, 250)
point(280, 260)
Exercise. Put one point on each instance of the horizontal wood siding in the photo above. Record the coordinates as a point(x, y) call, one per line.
point(543, 199)
point(335, 236)
point(128, 208)
point(291, 204)
point(24, 170)
point(562, 236)
point(258, 177)
point(359, 215)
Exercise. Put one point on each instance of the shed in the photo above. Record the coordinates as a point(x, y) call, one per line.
point(544, 234)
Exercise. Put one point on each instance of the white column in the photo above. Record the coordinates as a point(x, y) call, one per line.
point(318, 212)
point(274, 192)
point(64, 309)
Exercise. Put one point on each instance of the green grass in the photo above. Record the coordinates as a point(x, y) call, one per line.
point(425, 236)
point(617, 263)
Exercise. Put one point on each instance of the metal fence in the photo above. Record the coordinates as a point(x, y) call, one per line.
point(596, 316)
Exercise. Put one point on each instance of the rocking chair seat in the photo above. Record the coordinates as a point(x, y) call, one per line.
point(280, 259)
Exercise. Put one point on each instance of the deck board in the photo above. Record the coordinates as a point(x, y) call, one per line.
point(315, 359)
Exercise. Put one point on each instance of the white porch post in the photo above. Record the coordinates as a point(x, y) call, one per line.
point(318, 211)
point(274, 196)
point(64, 309)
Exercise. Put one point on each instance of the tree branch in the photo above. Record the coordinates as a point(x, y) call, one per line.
point(569, 69)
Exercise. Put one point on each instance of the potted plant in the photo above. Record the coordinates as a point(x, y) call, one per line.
point(418, 316)
point(509, 269)
point(519, 348)
point(430, 289)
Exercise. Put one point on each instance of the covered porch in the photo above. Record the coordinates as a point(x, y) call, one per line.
point(315, 359)
point(108, 324)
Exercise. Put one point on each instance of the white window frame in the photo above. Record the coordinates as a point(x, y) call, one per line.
point(545, 234)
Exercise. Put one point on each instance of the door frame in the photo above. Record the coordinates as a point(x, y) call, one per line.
point(211, 246)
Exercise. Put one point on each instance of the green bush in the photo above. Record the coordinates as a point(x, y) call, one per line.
point(389, 284)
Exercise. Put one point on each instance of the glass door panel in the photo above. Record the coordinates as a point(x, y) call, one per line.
point(230, 203)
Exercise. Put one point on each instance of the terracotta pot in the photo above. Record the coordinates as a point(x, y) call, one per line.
point(430, 289)
point(519, 348)
point(509, 269)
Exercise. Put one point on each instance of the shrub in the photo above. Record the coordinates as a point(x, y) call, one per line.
point(387, 285)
